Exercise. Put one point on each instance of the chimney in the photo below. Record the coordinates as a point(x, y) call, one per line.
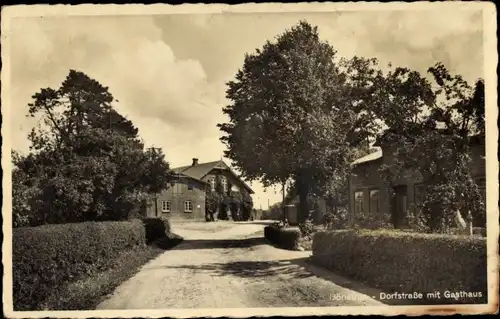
point(195, 161)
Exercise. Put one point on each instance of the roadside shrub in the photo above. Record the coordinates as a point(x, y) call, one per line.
point(287, 238)
point(280, 224)
point(47, 257)
point(336, 220)
point(372, 221)
point(156, 228)
point(407, 262)
point(307, 228)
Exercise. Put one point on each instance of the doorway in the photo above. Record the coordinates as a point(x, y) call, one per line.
point(399, 206)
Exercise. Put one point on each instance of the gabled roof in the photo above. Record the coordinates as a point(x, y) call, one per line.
point(197, 171)
point(201, 170)
point(370, 157)
point(474, 140)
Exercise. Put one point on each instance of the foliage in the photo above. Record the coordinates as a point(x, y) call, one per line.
point(86, 161)
point(26, 194)
point(419, 115)
point(307, 228)
point(47, 257)
point(447, 263)
point(246, 205)
point(235, 199)
point(280, 224)
point(293, 97)
point(366, 220)
point(224, 203)
point(238, 203)
point(156, 228)
point(286, 238)
point(336, 219)
point(212, 200)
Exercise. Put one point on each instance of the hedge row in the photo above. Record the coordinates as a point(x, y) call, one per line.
point(407, 262)
point(287, 238)
point(46, 258)
point(156, 228)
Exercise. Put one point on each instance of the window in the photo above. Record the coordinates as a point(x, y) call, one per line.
point(212, 183)
point(165, 206)
point(358, 202)
point(374, 201)
point(188, 206)
point(190, 186)
point(223, 181)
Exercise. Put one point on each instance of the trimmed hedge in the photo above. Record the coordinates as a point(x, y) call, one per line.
point(45, 258)
point(171, 240)
point(156, 228)
point(407, 262)
point(287, 238)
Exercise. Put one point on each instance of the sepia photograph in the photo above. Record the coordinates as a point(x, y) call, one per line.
point(249, 160)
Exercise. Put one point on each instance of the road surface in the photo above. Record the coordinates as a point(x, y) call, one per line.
point(230, 265)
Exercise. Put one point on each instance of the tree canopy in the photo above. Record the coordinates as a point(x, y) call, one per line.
point(299, 112)
point(433, 123)
point(296, 112)
point(86, 161)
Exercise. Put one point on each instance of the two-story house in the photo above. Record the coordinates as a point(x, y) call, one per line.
point(185, 196)
point(368, 194)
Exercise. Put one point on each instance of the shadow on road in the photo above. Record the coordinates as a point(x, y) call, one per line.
point(220, 243)
point(248, 269)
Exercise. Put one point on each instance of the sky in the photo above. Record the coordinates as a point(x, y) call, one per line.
point(169, 71)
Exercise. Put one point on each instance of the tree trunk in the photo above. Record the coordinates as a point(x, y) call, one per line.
point(303, 190)
point(283, 208)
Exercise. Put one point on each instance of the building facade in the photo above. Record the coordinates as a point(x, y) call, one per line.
point(185, 196)
point(368, 194)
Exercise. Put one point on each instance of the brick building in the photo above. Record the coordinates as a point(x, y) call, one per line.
point(369, 194)
point(185, 196)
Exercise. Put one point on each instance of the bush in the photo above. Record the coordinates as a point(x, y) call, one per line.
point(406, 262)
point(280, 224)
point(336, 220)
point(287, 238)
point(156, 228)
point(307, 228)
point(45, 258)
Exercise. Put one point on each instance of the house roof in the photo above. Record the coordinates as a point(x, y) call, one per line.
point(197, 171)
point(474, 140)
point(370, 157)
point(200, 170)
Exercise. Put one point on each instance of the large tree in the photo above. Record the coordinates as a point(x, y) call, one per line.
point(432, 123)
point(296, 112)
point(86, 161)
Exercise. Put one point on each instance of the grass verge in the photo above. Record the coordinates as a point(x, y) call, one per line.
point(86, 294)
